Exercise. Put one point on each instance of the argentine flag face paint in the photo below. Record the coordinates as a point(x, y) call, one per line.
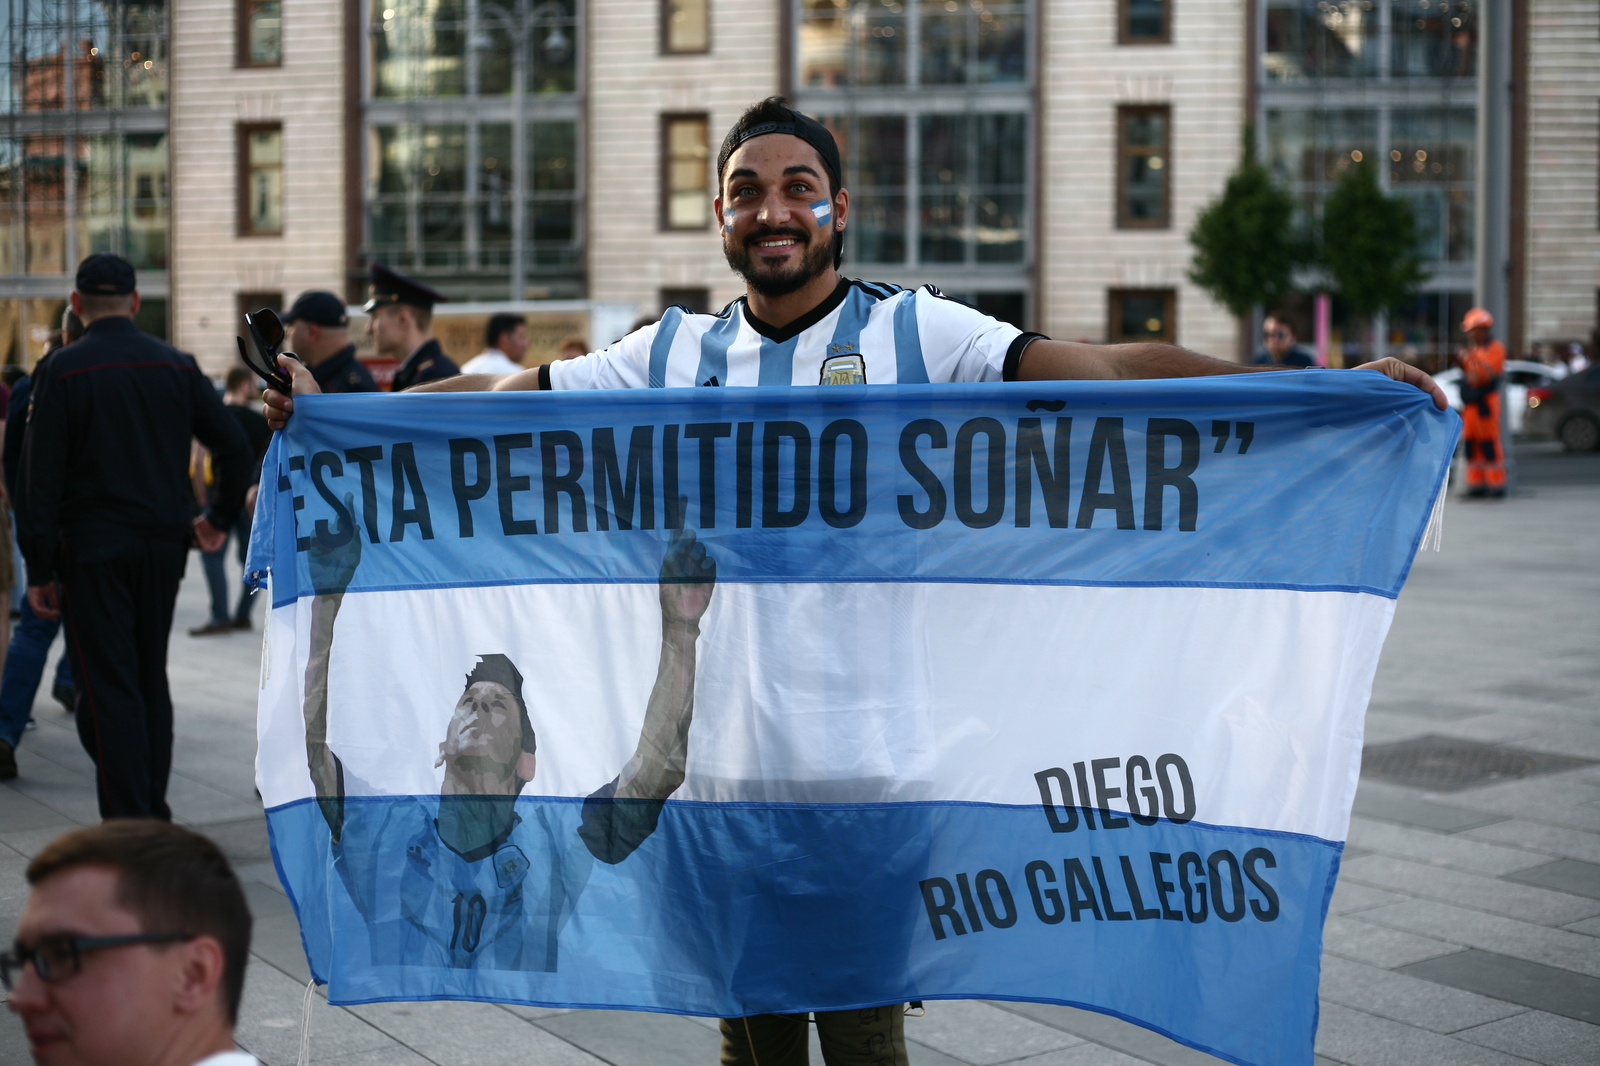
point(822, 211)
point(814, 698)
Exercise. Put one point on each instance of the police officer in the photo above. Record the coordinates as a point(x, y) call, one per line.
point(400, 317)
point(108, 520)
point(319, 333)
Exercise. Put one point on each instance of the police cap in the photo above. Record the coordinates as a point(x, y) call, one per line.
point(104, 274)
point(387, 287)
point(319, 308)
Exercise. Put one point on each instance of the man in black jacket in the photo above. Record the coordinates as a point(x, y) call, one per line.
point(319, 333)
point(108, 519)
point(401, 321)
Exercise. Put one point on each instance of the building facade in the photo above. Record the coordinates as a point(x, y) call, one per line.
point(1041, 159)
point(258, 162)
point(1390, 84)
point(1562, 169)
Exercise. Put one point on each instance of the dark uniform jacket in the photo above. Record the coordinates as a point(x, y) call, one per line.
point(1298, 355)
point(343, 372)
point(427, 363)
point(106, 452)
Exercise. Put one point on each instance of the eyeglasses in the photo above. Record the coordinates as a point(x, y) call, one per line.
point(56, 958)
point(1274, 334)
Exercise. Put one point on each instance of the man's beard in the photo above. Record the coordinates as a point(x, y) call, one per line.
point(815, 257)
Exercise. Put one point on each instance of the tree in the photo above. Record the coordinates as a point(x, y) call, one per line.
point(1369, 243)
point(1245, 248)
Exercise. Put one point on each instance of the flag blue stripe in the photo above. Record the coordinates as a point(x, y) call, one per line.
point(1295, 510)
point(742, 905)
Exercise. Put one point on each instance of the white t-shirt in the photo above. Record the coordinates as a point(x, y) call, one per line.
point(492, 361)
point(230, 1058)
point(864, 332)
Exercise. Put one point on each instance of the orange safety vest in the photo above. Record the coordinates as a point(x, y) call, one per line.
point(1480, 367)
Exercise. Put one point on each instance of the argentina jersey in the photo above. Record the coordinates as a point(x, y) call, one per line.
point(864, 332)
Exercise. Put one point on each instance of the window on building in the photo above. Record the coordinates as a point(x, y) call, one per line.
point(685, 172)
point(685, 26)
point(1144, 170)
point(696, 300)
point(1337, 39)
point(260, 33)
point(261, 180)
point(849, 43)
point(433, 48)
point(1142, 315)
point(248, 302)
point(932, 104)
point(472, 118)
point(1431, 165)
point(1433, 38)
point(1144, 21)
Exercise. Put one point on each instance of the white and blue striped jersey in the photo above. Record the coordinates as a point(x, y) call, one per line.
point(863, 332)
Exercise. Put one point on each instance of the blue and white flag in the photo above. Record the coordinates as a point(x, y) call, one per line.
point(729, 701)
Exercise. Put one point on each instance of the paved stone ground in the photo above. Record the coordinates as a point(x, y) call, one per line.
point(1465, 929)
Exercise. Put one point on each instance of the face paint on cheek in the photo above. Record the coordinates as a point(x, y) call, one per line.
point(823, 211)
point(728, 215)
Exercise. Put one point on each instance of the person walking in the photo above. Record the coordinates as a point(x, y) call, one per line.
point(108, 520)
point(238, 392)
point(319, 333)
point(1483, 363)
point(29, 644)
point(400, 321)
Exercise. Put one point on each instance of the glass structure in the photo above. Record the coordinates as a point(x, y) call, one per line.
point(1392, 83)
point(83, 155)
point(932, 102)
point(473, 153)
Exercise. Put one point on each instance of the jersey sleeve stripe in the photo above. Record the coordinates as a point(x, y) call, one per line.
point(910, 369)
point(661, 346)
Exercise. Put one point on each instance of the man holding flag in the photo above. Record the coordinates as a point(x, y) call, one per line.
point(784, 213)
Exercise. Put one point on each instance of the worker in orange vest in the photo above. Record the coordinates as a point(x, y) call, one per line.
point(1483, 364)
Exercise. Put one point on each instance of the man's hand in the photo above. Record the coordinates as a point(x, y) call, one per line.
point(332, 559)
point(688, 575)
point(278, 406)
point(207, 536)
point(44, 601)
point(1410, 375)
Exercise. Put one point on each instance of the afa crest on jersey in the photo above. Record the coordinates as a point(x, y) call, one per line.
point(844, 370)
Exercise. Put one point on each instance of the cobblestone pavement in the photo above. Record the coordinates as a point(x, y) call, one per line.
point(1465, 929)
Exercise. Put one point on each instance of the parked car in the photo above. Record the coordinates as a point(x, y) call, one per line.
point(1520, 376)
point(1568, 410)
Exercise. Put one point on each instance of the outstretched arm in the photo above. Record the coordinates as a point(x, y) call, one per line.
point(1046, 360)
point(656, 770)
point(333, 563)
point(622, 813)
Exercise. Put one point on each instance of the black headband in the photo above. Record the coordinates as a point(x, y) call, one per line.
point(809, 130)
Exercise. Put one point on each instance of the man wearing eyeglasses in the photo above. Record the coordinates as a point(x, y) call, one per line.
point(1279, 346)
point(131, 950)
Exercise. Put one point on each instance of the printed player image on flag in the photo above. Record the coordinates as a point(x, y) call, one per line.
point(735, 701)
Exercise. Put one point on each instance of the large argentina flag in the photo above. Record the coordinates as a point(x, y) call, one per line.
point(728, 701)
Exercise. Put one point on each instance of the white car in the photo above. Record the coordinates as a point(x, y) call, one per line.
point(1520, 376)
